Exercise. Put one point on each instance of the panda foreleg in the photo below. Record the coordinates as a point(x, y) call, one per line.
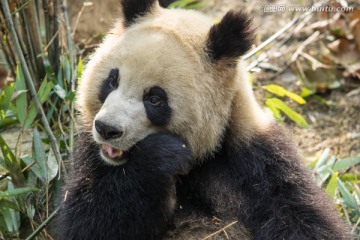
point(262, 183)
point(133, 201)
point(279, 196)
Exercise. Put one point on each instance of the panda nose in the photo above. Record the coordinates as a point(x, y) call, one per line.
point(106, 131)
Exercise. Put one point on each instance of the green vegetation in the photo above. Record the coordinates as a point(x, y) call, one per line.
point(187, 4)
point(38, 50)
point(341, 184)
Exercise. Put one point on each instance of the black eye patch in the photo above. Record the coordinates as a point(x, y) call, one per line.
point(156, 106)
point(109, 84)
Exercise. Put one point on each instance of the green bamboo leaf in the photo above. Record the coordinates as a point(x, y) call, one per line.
point(182, 3)
point(32, 180)
point(280, 91)
point(60, 91)
point(59, 78)
point(332, 185)
point(71, 96)
point(271, 105)
point(42, 87)
point(47, 65)
point(31, 115)
point(5, 99)
point(295, 97)
point(12, 219)
point(39, 155)
point(21, 100)
point(12, 164)
point(80, 69)
point(322, 159)
point(350, 177)
point(52, 166)
point(275, 89)
point(5, 203)
point(306, 93)
point(43, 93)
point(195, 5)
point(297, 118)
point(8, 121)
point(348, 198)
point(67, 70)
point(34, 168)
point(30, 211)
point(16, 192)
point(346, 163)
point(357, 191)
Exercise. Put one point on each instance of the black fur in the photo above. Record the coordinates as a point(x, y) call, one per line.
point(132, 9)
point(264, 185)
point(109, 84)
point(133, 201)
point(230, 38)
point(156, 106)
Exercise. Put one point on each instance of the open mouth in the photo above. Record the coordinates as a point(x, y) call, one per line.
point(113, 155)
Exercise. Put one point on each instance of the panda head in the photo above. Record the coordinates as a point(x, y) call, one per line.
point(162, 70)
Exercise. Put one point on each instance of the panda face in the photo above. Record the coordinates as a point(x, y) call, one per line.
point(145, 91)
point(156, 76)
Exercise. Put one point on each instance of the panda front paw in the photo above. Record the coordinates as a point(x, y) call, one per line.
point(165, 152)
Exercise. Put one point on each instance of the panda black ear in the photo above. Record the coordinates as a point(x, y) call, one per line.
point(132, 9)
point(230, 38)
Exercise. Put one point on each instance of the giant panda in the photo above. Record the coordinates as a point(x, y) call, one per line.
point(173, 145)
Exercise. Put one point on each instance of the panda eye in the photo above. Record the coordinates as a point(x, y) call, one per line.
point(113, 78)
point(113, 83)
point(157, 106)
point(155, 100)
point(109, 84)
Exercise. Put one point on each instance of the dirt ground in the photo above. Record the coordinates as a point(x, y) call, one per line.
point(333, 116)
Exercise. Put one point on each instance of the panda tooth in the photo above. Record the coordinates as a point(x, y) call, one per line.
point(120, 153)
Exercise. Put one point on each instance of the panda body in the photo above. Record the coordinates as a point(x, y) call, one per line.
point(173, 144)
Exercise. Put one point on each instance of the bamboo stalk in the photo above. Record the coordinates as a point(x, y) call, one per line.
point(68, 35)
point(7, 57)
point(54, 146)
point(26, 54)
point(54, 33)
point(48, 31)
point(7, 49)
point(73, 79)
point(37, 24)
point(29, 43)
point(21, 7)
point(44, 224)
point(32, 23)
